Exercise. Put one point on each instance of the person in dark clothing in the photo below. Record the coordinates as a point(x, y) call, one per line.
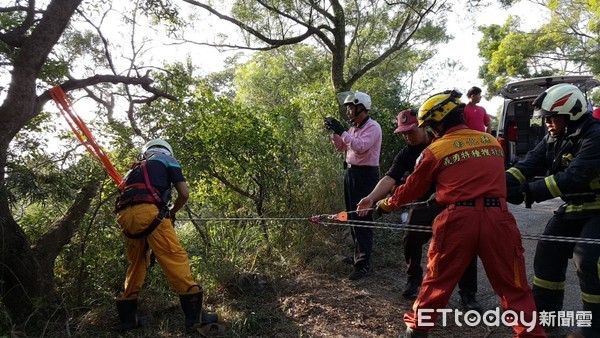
point(362, 144)
point(417, 139)
point(570, 154)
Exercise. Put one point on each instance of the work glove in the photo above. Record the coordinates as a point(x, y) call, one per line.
point(518, 194)
point(527, 196)
point(334, 125)
point(514, 190)
point(514, 194)
point(382, 207)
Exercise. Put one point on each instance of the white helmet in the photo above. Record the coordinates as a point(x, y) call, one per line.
point(561, 99)
point(157, 143)
point(359, 98)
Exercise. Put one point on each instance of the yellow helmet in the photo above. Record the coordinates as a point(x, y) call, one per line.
point(436, 107)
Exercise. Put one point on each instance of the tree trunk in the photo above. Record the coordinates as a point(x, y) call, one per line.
point(49, 246)
point(22, 277)
point(20, 271)
point(28, 271)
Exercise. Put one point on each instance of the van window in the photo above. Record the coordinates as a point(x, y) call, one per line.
point(518, 132)
point(521, 131)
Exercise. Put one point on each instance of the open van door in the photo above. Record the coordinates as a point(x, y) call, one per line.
point(517, 131)
point(534, 87)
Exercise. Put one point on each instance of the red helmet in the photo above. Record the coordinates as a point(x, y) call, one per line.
point(407, 121)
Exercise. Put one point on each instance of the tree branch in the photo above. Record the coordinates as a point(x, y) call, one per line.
point(104, 41)
point(222, 47)
point(399, 43)
point(277, 42)
point(16, 37)
point(47, 248)
point(230, 185)
point(145, 82)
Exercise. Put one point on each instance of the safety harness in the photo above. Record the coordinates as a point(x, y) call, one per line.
point(138, 193)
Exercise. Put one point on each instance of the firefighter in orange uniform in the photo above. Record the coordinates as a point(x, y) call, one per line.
point(467, 167)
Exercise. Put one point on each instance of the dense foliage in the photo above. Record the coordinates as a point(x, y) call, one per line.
point(567, 43)
point(250, 140)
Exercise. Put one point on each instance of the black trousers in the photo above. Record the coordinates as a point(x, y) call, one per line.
point(358, 183)
point(550, 266)
point(413, 242)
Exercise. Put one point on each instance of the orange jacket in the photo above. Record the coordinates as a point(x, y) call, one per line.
point(464, 164)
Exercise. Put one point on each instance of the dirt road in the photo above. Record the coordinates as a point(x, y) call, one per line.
point(325, 305)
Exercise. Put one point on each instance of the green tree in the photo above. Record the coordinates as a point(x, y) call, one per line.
point(298, 75)
point(246, 147)
point(567, 44)
point(29, 47)
point(288, 89)
point(357, 36)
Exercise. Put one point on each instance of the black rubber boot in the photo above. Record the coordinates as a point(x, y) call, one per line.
point(547, 300)
point(411, 289)
point(192, 309)
point(411, 333)
point(468, 300)
point(127, 310)
point(594, 329)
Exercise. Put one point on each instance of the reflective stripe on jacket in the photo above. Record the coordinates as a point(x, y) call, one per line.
point(571, 164)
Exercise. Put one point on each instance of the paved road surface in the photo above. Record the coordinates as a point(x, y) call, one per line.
point(532, 222)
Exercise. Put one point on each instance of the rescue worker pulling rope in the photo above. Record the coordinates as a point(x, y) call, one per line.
point(476, 213)
point(569, 152)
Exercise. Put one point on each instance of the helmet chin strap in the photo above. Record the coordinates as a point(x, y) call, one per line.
point(356, 115)
point(438, 129)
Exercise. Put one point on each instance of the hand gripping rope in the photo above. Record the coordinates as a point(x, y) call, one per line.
point(82, 132)
point(342, 216)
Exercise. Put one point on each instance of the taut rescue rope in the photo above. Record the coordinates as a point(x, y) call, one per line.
point(376, 225)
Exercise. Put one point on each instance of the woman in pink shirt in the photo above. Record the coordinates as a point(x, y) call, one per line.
point(476, 117)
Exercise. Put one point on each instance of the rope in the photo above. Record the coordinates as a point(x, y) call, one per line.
point(387, 226)
point(243, 219)
point(83, 134)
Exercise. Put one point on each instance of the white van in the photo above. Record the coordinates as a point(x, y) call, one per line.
point(517, 131)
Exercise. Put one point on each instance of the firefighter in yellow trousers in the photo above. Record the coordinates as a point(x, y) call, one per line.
point(146, 221)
